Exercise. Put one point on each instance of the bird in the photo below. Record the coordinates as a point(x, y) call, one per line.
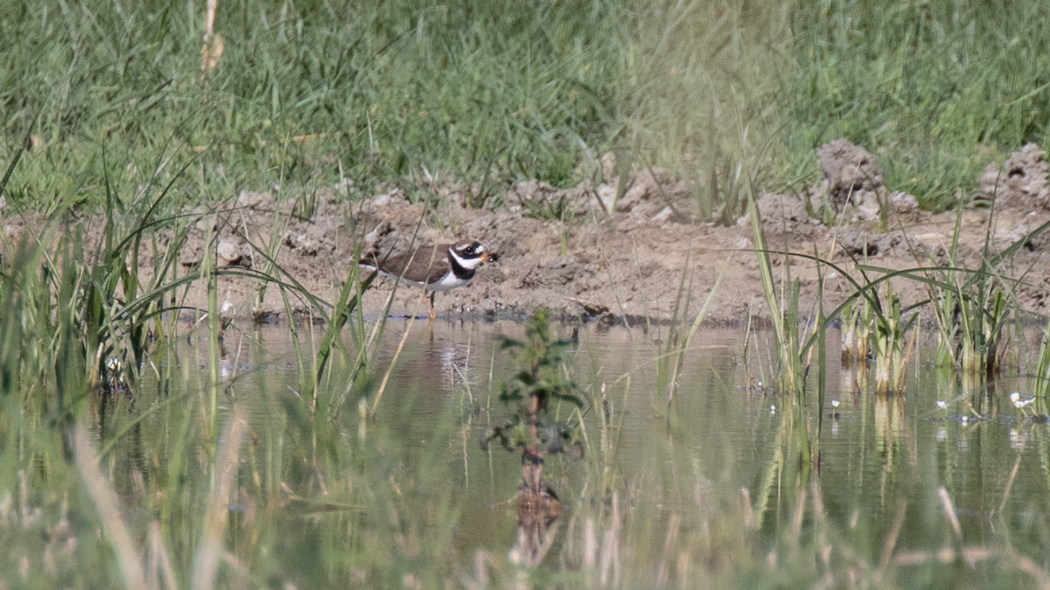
point(116, 381)
point(435, 268)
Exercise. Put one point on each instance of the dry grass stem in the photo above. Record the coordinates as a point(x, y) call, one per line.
point(669, 549)
point(210, 551)
point(949, 512)
point(1010, 482)
point(159, 560)
point(895, 531)
point(393, 363)
point(108, 506)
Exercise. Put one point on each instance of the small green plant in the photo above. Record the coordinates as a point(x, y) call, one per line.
point(1042, 371)
point(552, 209)
point(888, 338)
point(541, 378)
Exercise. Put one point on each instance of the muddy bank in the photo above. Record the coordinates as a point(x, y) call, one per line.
point(627, 254)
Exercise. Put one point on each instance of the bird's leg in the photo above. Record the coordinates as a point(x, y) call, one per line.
point(433, 312)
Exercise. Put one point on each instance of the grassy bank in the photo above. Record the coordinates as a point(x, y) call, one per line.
point(306, 93)
point(935, 90)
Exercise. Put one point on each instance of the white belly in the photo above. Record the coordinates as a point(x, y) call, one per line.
point(447, 282)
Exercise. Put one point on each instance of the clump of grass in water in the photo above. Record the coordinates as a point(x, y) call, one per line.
point(856, 333)
point(957, 344)
point(876, 326)
point(96, 307)
point(65, 314)
point(973, 308)
point(891, 362)
point(671, 362)
point(101, 315)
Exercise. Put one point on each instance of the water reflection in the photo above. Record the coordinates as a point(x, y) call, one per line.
point(659, 482)
point(538, 512)
point(889, 414)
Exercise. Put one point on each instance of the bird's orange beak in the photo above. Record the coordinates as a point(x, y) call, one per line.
point(485, 257)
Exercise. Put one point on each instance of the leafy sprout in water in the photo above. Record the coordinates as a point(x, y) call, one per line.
point(541, 377)
point(540, 359)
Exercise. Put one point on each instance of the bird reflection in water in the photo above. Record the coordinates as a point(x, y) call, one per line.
point(538, 511)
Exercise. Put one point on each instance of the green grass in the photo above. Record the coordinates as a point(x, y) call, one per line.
point(386, 88)
point(306, 92)
point(934, 90)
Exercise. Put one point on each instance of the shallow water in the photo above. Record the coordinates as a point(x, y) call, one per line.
point(708, 481)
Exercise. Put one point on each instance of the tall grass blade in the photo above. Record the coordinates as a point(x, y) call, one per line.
point(108, 506)
point(210, 547)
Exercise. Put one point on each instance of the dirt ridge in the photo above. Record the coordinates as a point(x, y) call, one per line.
point(627, 255)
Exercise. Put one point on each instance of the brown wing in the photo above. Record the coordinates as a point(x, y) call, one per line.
point(425, 266)
point(429, 264)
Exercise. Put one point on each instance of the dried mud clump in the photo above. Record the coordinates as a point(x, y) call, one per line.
point(653, 195)
point(904, 203)
point(858, 243)
point(852, 179)
point(783, 215)
point(231, 248)
point(1022, 182)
